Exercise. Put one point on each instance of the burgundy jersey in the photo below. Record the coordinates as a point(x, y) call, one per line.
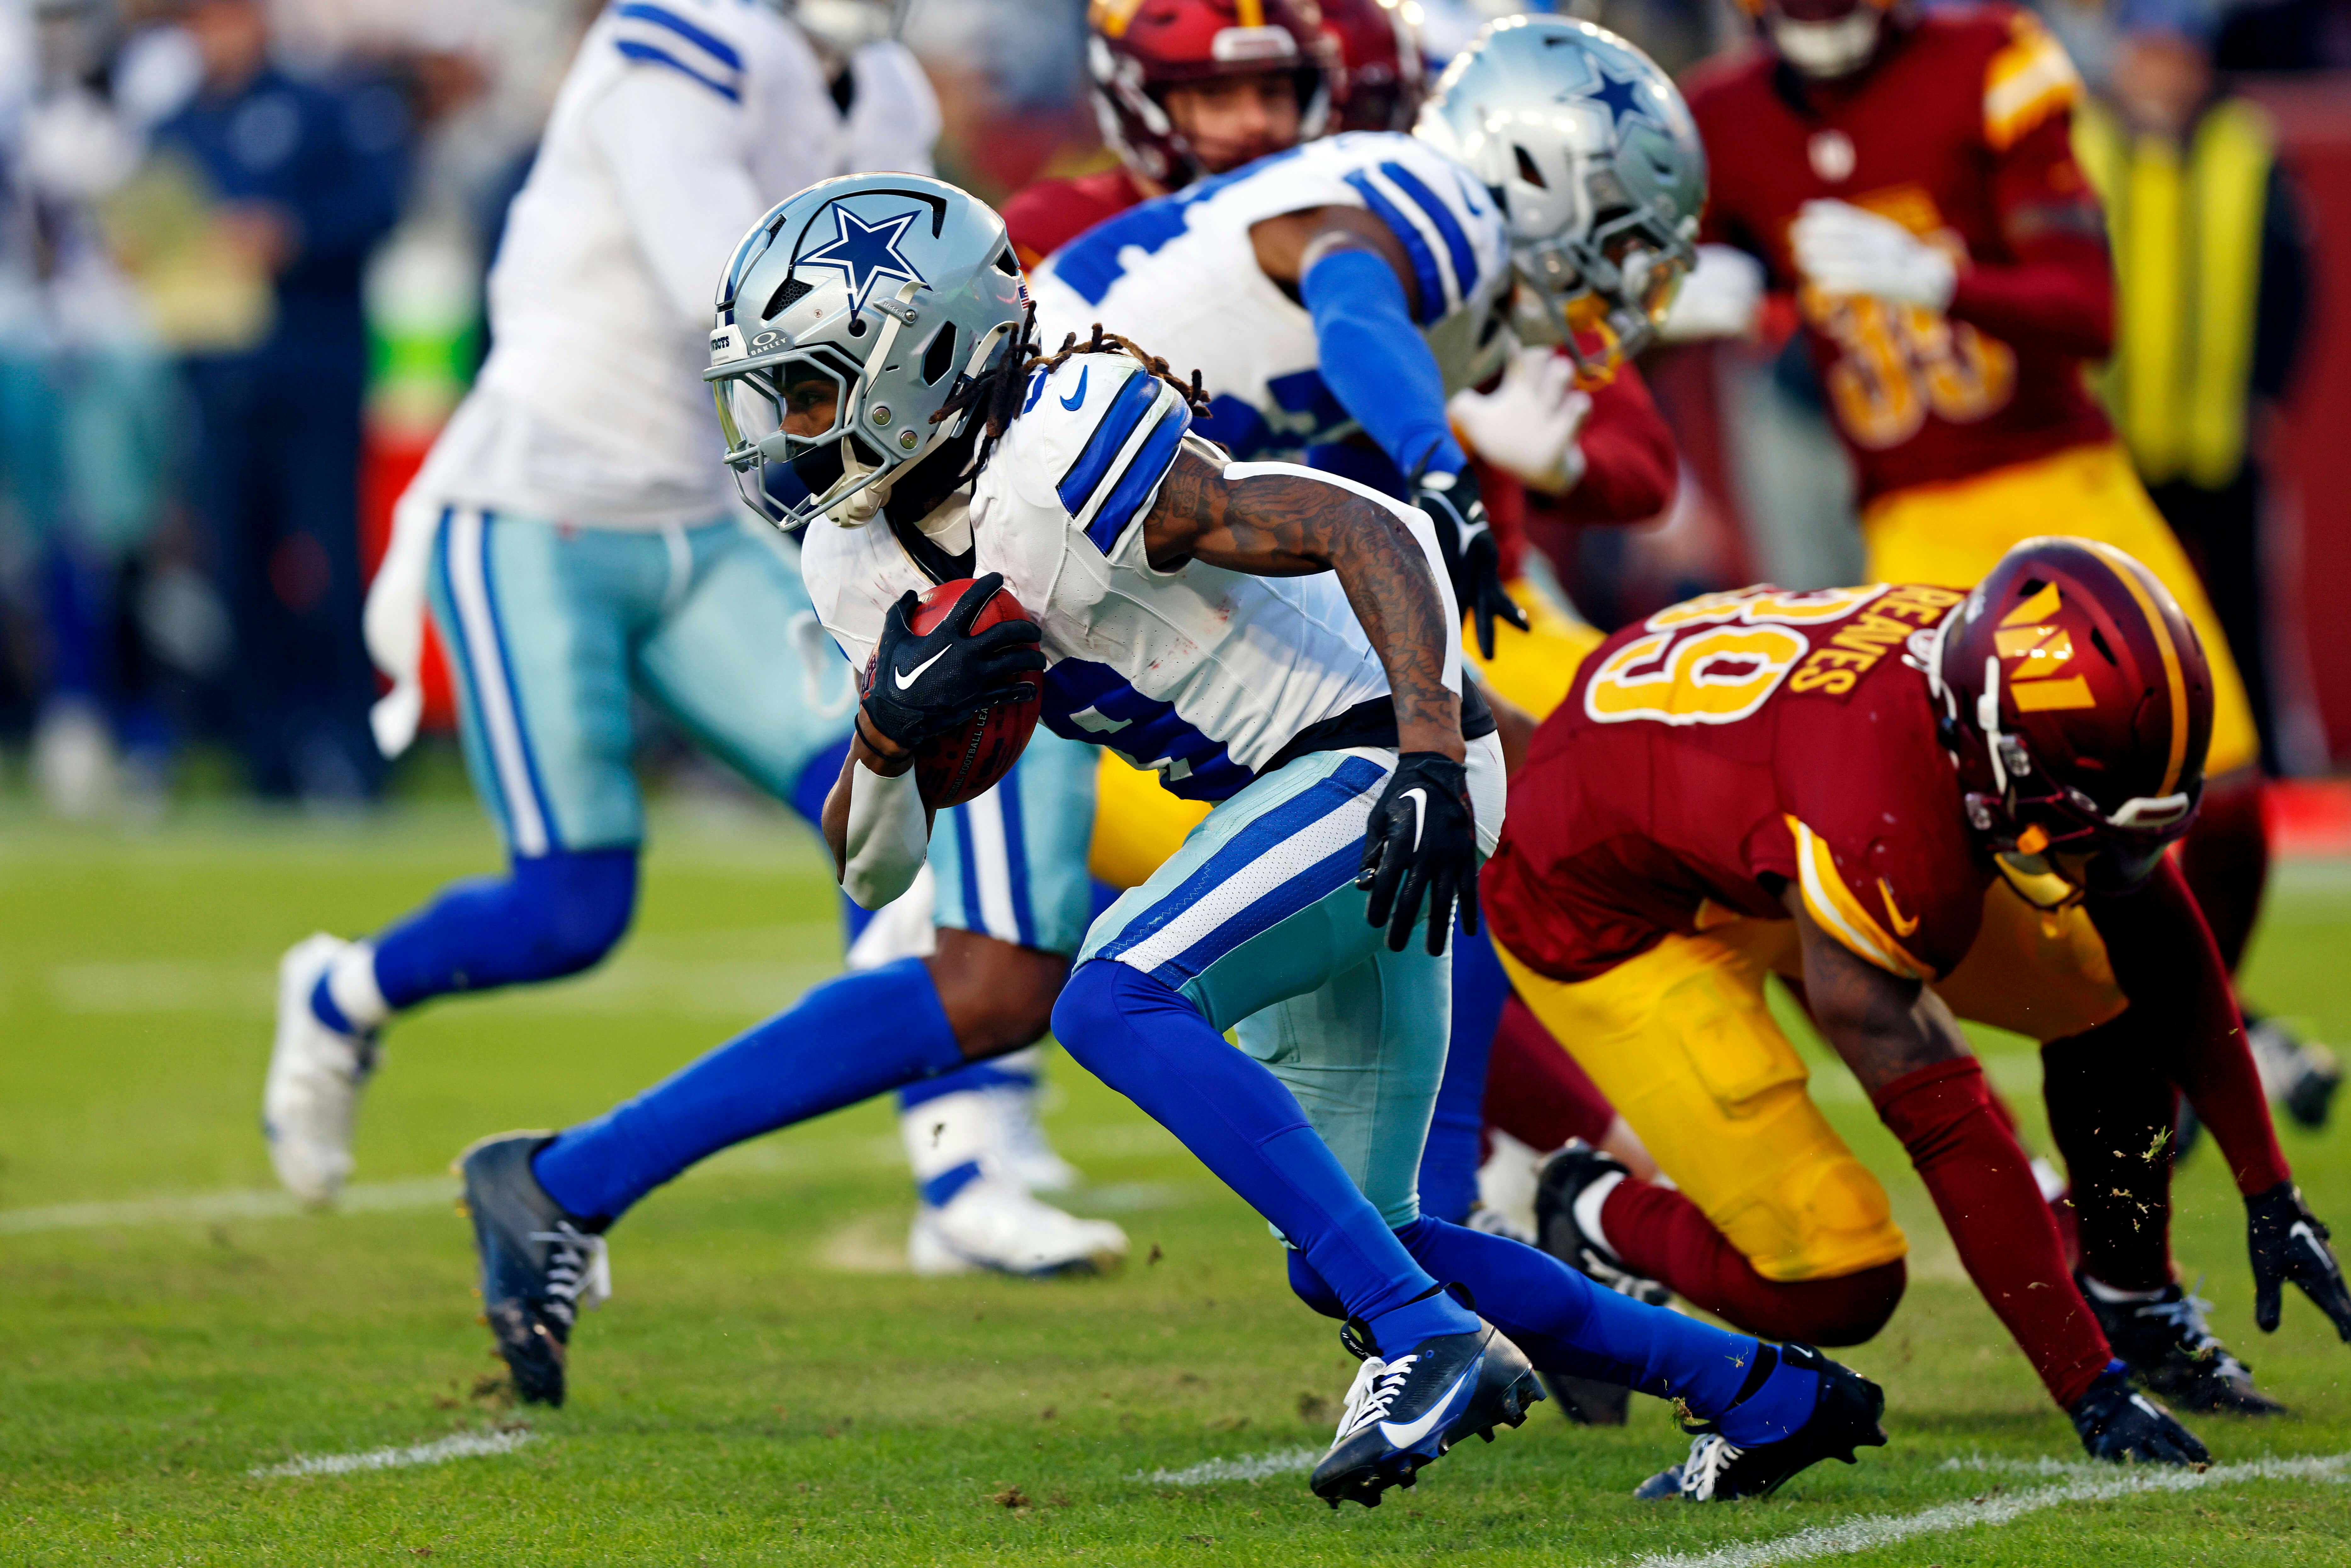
point(1043, 217)
point(1729, 746)
point(1961, 133)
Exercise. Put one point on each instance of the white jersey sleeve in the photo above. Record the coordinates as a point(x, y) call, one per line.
point(1201, 674)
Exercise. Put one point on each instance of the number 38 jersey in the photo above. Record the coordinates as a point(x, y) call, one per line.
point(1961, 134)
point(1727, 747)
point(1200, 674)
point(1180, 273)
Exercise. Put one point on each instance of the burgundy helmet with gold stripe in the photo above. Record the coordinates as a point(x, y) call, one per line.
point(2078, 707)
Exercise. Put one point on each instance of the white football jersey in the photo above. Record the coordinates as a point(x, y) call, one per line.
point(679, 123)
point(1180, 278)
point(1200, 674)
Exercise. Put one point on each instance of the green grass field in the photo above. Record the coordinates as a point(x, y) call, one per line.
point(763, 1387)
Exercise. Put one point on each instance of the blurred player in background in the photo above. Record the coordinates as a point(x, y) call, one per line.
point(1898, 798)
point(1182, 88)
point(579, 543)
point(1270, 639)
point(301, 179)
point(1911, 176)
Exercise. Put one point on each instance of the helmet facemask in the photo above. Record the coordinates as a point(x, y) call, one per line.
point(845, 326)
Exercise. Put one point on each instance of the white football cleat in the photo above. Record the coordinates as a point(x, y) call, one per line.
point(311, 1096)
point(993, 1223)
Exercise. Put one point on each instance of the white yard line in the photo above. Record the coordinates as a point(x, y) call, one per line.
point(1865, 1534)
point(464, 1446)
point(212, 1207)
point(1249, 1468)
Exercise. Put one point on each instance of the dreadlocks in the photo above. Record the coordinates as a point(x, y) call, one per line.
point(996, 393)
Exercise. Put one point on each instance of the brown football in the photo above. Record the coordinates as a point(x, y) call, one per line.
point(965, 762)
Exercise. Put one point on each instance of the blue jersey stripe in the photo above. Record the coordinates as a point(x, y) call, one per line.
point(645, 54)
point(1132, 401)
point(716, 46)
point(514, 692)
point(1152, 461)
point(1433, 303)
point(1465, 260)
point(1016, 855)
point(1350, 779)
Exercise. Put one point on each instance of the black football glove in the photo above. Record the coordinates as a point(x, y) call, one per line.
point(1472, 559)
point(2289, 1243)
point(1422, 837)
point(928, 685)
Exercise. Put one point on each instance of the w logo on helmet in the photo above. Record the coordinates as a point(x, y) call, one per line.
point(2041, 655)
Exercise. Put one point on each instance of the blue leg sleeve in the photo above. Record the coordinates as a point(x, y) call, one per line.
point(1567, 1324)
point(847, 1040)
point(550, 915)
point(1449, 1160)
point(1143, 1039)
point(1375, 362)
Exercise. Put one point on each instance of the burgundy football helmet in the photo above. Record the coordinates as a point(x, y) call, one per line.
point(1384, 79)
point(1139, 48)
point(2078, 706)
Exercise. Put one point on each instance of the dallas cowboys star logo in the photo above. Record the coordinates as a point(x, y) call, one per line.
point(1622, 97)
point(865, 253)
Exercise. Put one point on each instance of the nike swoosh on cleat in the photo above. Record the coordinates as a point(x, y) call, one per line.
point(908, 677)
point(1078, 396)
point(1419, 798)
point(1406, 1436)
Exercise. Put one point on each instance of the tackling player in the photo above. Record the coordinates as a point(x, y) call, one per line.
point(1909, 174)
point(1267, 638)
point(577, 548)
point(1896, 796)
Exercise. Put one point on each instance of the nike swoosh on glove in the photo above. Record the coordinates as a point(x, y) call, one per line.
point(2288, 1243)
point(1421, 839)
point(1843, 249)
point(927, 683)
point(1472, 559)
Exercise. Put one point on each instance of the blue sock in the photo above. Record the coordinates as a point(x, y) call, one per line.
point(847, 1040)
point(979, 1075)
point(323, 1009)
point(816, 782)
point(1449, 1160)
point(551, 915)
point(1567, 1324)
point(1143, 1039)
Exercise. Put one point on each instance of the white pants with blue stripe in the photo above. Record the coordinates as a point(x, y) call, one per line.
point(1257, 921)
point(550, 628)
point(1012, 863)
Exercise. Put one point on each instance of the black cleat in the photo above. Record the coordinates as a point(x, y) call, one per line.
point(2301, 1075)
point(1406, 1413)
point(1847, 1416)
point(2119, 1424)
point(1564, 1177)
point(2170, 1352)
point(540, 1263)
point(1588, 1401)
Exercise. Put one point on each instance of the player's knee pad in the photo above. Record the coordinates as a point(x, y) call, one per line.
point(1681, 1042)
point(570, 909)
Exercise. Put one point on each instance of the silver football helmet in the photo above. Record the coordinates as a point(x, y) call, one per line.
point(1593, 158)
point(847, 318)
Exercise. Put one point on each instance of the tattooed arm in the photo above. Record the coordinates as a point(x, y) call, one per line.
point(1289, 523)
